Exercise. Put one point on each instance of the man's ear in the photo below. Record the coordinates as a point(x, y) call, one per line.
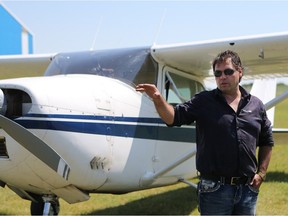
point(240, 74)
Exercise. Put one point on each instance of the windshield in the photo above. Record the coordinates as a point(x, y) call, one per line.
point(133, 65)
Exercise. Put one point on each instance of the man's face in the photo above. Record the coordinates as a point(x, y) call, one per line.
point(227, 82)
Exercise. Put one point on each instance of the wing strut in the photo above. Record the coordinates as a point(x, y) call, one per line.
point(149, 177)
point(273, 103)
point(276, 100)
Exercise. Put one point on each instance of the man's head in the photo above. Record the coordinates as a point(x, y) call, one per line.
point(228, 70)
point(223, 56)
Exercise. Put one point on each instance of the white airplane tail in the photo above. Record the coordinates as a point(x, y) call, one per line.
point(265, 90)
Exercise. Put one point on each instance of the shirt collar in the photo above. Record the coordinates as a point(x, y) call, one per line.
point(244, 94)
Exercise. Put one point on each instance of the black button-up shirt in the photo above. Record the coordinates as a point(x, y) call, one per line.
point(226, 141)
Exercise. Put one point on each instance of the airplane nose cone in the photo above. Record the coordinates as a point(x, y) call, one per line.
point(3, 103)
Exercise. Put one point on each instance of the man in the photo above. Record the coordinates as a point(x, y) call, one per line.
point(230, 124)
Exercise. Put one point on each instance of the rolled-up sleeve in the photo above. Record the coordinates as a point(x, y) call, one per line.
point(266, 136)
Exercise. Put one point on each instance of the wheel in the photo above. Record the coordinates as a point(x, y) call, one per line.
point(37, 208)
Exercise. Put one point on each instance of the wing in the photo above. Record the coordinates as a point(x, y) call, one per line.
point(261, 55)
point(12, 66)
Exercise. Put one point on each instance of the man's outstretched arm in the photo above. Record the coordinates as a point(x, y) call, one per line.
point(165, 110)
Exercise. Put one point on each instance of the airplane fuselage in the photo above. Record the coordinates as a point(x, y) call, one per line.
point(109, 135)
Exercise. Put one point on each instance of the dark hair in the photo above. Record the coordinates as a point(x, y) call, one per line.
point(236, 61)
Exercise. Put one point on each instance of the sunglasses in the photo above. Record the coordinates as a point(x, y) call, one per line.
point(227, 72)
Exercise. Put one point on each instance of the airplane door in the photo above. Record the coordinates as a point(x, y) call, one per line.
point(176, 87)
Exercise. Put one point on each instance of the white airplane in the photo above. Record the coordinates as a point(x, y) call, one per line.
point(82, 128)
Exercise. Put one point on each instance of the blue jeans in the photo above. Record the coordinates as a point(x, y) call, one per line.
point(223, 199)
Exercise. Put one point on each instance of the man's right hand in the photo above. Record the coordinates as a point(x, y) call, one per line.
point(165, 110)
point(150, 90)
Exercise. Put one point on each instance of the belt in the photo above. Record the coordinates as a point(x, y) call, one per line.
point(228, 180)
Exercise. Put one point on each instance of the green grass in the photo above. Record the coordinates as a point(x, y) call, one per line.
point(177, 199)
point(281, 115)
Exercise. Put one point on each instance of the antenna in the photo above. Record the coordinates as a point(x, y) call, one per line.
point(96, 34)
point(160, 26)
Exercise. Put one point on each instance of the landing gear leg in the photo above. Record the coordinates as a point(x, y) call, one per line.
point(48, 205)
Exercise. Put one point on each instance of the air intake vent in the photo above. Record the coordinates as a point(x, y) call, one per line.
point(3, 149)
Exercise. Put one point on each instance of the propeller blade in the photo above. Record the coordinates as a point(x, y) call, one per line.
point(36, 146)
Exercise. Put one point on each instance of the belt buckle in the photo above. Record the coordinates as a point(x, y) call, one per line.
point(234, 180)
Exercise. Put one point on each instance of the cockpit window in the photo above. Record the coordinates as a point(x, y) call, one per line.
point(179, 89)
point(133, 65)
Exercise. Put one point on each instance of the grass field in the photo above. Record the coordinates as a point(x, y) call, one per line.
point(177, 199)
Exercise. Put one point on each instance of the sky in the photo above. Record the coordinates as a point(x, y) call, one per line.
point(64, 26)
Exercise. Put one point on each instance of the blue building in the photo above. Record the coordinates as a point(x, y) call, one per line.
point(14, 36)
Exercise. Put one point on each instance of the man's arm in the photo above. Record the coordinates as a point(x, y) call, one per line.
point(264, 156)
point(165, 110)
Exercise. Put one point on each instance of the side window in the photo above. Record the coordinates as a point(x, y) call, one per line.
point(179, 89)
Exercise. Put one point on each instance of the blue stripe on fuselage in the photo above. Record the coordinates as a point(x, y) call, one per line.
point(110, 126)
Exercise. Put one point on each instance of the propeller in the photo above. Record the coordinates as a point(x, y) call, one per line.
point(36, 146)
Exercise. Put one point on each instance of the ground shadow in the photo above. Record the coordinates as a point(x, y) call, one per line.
point(277, 176)
point(178, 202)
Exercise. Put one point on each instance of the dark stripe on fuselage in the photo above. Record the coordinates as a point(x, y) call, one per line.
point(111, 126)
